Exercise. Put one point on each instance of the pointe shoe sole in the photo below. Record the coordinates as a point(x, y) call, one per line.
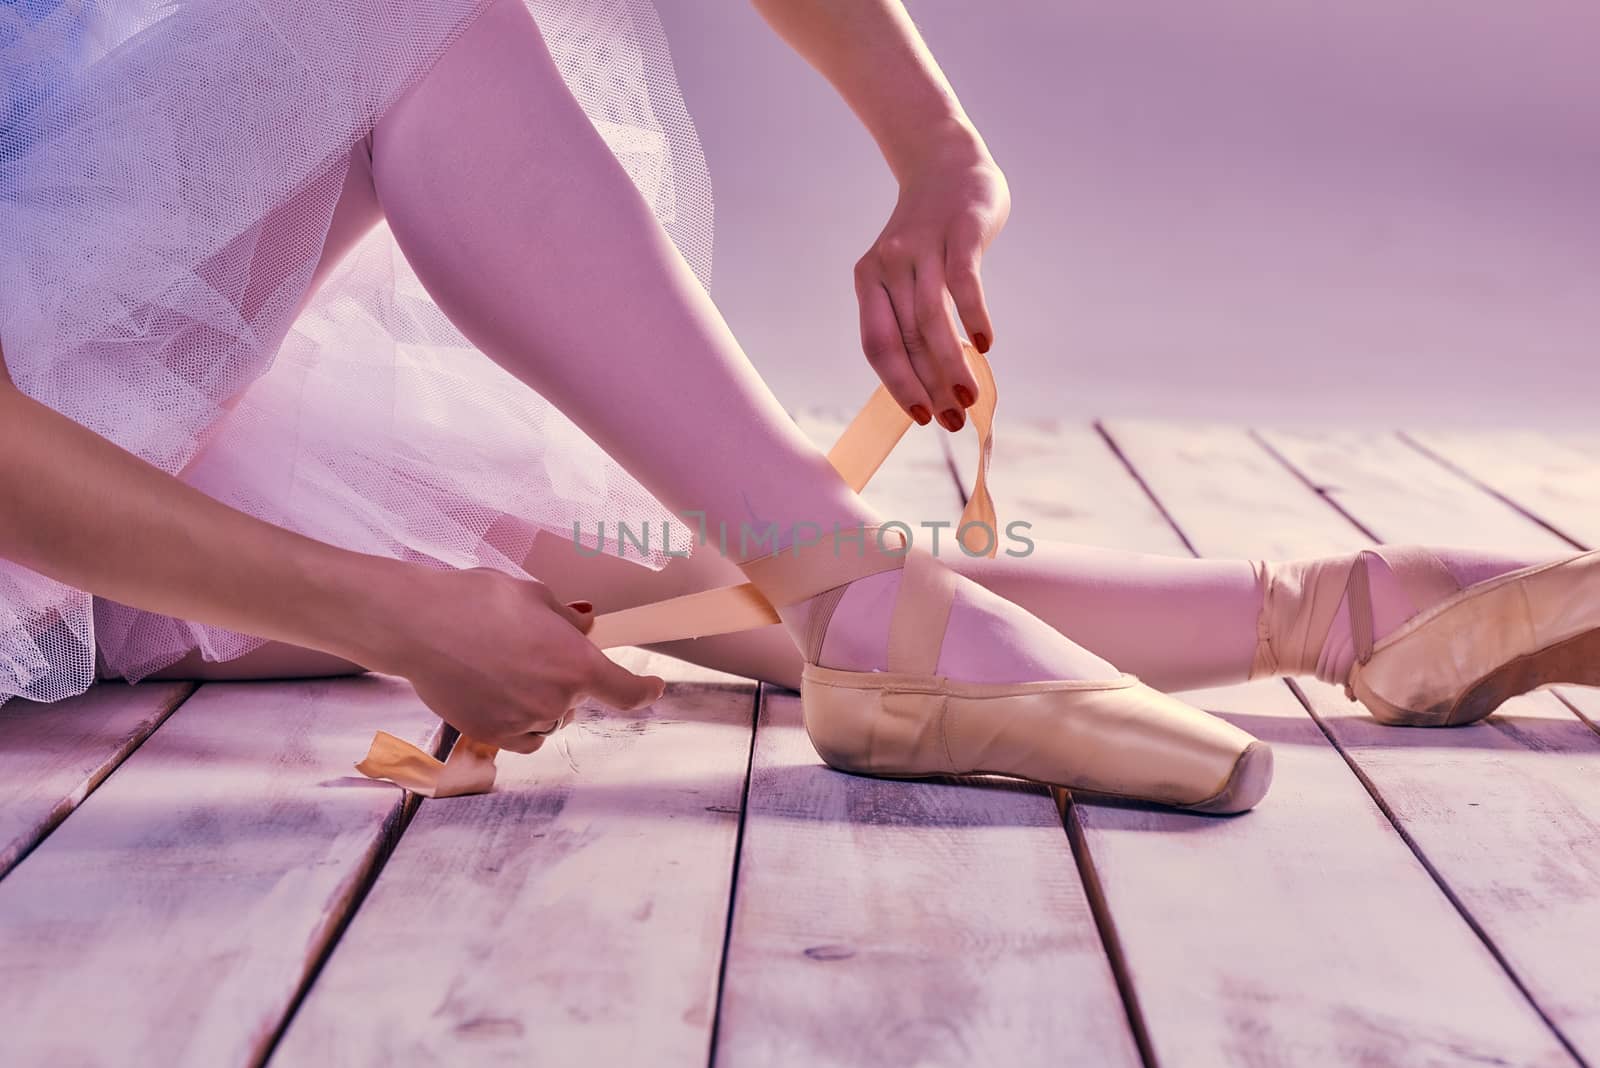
point(1246, 785)
point(1244, 788)
point(1112, 738)
point(1460, 661)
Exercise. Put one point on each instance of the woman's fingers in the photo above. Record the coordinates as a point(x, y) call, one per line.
point(530, 742)
point(608, 683)
point(943, 342)
point(612, 684)
point(882, 342)
point(928, 258)
point(901, 285)
point(503, 660)
point(963, 277)
point(580, 614)
point(910, 337)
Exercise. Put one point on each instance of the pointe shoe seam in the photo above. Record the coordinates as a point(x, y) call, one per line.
point(944, 732)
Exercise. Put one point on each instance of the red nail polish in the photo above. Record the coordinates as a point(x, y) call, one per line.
point(964, 395)
point(951, 419)
point(581, 606)
point(980, 341)
point(921, 415)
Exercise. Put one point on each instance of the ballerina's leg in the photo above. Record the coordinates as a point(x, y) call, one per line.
point(530, 236)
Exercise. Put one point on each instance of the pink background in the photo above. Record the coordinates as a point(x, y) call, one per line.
point(1279, 211)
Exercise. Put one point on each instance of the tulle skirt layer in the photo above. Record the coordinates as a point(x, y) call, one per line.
point(168, 172)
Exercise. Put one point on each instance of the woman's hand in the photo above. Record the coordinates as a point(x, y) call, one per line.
point(496, 657)
point(950, 208)
point(953, 199)
point(499, 658)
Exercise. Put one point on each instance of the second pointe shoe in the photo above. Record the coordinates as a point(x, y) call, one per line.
point(1114, 737)
point(1463, 658)
point(1459, 659)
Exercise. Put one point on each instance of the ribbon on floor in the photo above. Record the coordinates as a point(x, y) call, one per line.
point(869, 439)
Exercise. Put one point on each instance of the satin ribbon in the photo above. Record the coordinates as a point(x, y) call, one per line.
point(869, 439)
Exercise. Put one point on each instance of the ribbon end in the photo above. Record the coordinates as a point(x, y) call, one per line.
point(470, 769)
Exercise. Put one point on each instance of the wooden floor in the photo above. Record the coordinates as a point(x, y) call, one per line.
point(193, 876)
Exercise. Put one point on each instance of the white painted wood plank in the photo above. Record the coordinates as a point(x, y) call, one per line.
point(1553, 476)
point(926, 923)
point(173, 918)
point(1399, 494)
point(1504, 810)
point(1304, 932)
point(1064, 480)
point(1585, 701)
point(1227, 494)
point(574, 915)
point(53, 755)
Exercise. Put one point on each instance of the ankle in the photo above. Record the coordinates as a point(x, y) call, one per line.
point(1302, 604)
point(1318, 617)
point(807, 580)
point(843, 605)
point(846, 628)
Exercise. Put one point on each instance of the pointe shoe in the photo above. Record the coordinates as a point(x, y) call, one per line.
point(1117, 737)
point(1458, 661)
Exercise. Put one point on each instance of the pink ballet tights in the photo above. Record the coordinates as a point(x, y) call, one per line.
point(531, 238)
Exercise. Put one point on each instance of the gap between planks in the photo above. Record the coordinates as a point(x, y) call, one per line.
point(53, 756)
point(1501, 809)
point(1270, 958)
point(184, 904)
point(579, 909)
point(880, 921)
point(1327, 508)
point(1554, 481)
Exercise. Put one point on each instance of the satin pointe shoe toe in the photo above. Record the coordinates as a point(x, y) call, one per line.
point(1116, 738)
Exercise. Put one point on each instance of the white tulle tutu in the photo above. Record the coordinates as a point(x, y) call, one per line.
point(142, 145)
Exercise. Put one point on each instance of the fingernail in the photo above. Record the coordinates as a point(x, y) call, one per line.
point(581, 606)
point(921, 415)
point(980, 341)
point(951, 419)
point(964, 395)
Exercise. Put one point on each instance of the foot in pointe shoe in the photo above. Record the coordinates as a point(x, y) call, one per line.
point(913, 671)
point(1432, 638)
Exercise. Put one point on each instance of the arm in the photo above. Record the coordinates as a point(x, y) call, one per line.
point(86, 513)
point(953, 198)
point(77, 508)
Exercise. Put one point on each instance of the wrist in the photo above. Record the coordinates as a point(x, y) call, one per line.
point(951, 142)
point(363, 605)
